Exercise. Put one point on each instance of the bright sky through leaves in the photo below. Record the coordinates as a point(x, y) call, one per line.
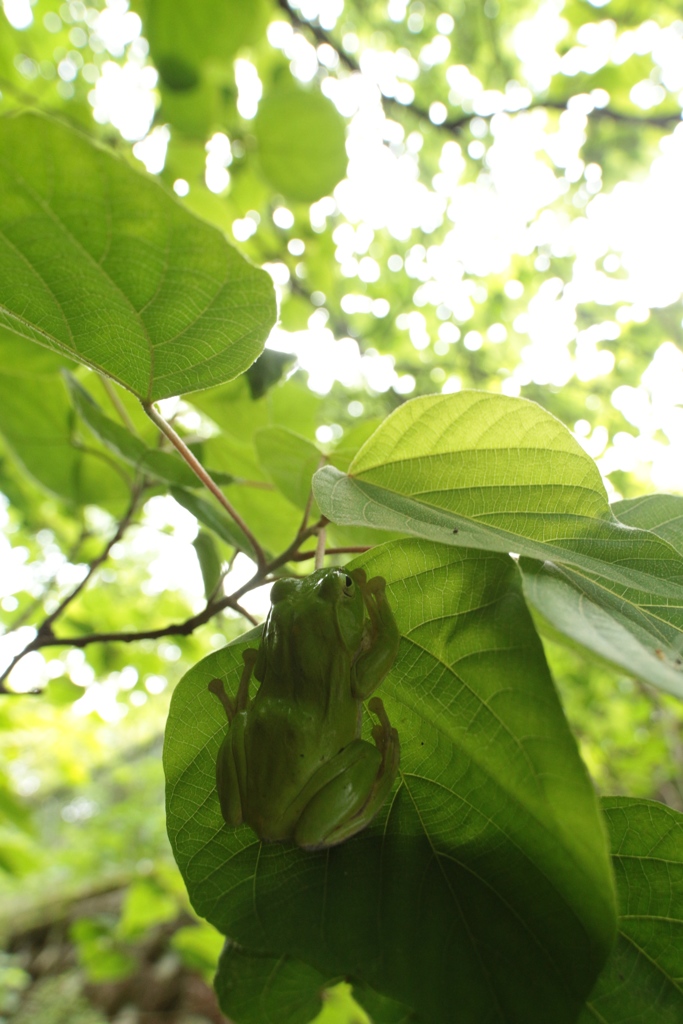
point(635, 228)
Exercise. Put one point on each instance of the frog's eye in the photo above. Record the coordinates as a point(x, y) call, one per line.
point(348, 584)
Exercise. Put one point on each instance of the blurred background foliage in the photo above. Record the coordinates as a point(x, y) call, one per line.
point(447, 195)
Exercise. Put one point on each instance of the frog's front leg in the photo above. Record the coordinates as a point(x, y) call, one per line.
point(232, 705)
point(380, 643)
point(346, 793)
point(231, 764)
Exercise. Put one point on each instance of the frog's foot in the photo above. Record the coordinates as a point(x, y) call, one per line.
point(218, 689)
point(353, 786)
point(233, 705)
point(377, 605)
point(375, 599)
point(360, 578)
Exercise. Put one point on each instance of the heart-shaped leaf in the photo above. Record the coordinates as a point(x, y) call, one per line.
point(99, 263)
point(490, 852)
point(501, 474)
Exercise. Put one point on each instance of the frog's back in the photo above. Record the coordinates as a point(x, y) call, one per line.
point(285, 745)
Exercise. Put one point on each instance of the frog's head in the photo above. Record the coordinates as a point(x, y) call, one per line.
point(342, 593)
point(332, 594)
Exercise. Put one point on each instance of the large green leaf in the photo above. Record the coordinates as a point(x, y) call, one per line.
point(301, 141)
point(491, 851)
point(642, 982)
point(660, 513)
point(629, 629)
point(99, 263)
point(501, 474)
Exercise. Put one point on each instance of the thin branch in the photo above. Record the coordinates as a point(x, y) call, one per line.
point(660, 121)
point(197, 468)
point(123, 525)
point(320, 34)
point(263, 575)
point(45, 636)
point(285, 557)
point(174, 629)
point(455, 125)
point(201, 618)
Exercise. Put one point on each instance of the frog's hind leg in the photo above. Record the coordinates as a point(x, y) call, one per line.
point(231, 771)
point(360, 779)
point(249, 657)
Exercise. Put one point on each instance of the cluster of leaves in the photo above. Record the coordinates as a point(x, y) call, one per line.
point(493, 849)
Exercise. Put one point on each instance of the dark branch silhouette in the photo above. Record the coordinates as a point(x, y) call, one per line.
point(455, 125)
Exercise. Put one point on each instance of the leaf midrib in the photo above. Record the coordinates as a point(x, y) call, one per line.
point(548, 549)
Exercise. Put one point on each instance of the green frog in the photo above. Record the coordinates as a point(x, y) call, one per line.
point(292, 764)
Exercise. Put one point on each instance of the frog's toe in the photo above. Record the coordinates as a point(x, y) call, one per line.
point(376, 586)
point(358, 575)
point(217, 687)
